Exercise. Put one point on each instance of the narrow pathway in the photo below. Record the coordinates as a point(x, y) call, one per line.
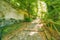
point(30, 32)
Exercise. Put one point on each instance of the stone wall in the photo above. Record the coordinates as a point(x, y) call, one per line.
point(9, 12)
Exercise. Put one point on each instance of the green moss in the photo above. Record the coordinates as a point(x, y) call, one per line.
point(10, 28)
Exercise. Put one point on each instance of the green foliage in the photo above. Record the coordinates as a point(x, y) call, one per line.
point(28, 19)
point(52, 17)
point(28, 5)
point(8, 29)
point(53, 9)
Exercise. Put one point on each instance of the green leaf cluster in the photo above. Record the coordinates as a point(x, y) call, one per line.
point(27, 5)
point(53, 9)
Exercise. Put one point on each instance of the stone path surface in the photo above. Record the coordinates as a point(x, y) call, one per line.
point(24, 35)
point(29, 33)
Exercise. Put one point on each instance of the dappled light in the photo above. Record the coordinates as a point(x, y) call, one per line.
point(29, 19)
